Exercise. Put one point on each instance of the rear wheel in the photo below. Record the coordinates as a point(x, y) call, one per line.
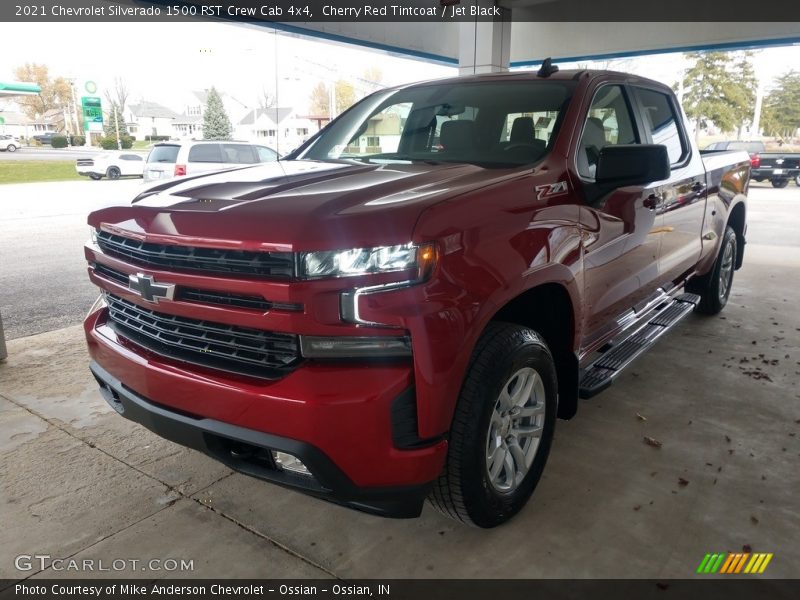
point(715, 287)
point(797, 181)
point(95, 176)
point(113, 173)
point(779, 183)
point(502, 428)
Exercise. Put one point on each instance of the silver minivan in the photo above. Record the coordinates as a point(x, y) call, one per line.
point(173, 159)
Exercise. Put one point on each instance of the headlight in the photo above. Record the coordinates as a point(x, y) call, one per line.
point(354, 347)
point(362, 261)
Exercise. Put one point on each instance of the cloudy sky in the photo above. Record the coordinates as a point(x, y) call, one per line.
point(160, 61)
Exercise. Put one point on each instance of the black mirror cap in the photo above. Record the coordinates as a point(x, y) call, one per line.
point(631, 164)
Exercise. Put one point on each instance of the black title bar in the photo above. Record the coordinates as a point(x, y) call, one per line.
point(717, 12)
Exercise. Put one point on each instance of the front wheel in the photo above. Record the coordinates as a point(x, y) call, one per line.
point(502, 428)
point(779, 183)
point(797, 181)
point(11, 148)
point(715, 287)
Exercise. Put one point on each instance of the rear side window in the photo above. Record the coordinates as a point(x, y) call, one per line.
point(660, 118)
point(239, 153)
point(163, 154)
point(130, 157)
point(208, 153)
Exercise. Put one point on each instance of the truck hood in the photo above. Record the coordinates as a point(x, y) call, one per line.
point(296, 205)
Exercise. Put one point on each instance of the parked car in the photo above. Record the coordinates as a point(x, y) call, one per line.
point(46, 138)
point(173, 159)
point(776, 167)
point(8, 143)
point(379, 321)
point(111, 164)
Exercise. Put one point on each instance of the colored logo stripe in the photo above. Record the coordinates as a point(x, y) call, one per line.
point(734, 562)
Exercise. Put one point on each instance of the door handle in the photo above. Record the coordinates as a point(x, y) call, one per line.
point(651, 202)
point(698, 187)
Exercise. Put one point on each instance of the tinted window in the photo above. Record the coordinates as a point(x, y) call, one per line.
point(608, 123)
point(660, 118)
point(205, 153)
point(130, 157)
point(266, 154)
point(751, 147)
point(239, 153)
point(163, 154)
point(489, 123)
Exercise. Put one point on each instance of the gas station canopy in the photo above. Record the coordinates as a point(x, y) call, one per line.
point(17, 88)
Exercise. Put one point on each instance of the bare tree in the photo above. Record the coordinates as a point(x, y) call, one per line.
point(118, 94)
point(266, 99)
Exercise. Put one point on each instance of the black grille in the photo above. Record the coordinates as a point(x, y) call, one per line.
point(277, 265)
point(207, 296)
point(216, 345)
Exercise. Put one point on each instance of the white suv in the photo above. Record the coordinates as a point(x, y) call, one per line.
point(172, 159)
point(9, 143)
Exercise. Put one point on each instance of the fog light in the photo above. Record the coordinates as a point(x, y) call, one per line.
point(290, 463)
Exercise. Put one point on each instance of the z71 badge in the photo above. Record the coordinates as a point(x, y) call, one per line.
point(549, 190)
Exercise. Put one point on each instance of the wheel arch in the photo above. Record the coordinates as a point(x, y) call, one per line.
point(548, 309)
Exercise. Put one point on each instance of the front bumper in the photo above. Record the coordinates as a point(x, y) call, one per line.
point(337, 419)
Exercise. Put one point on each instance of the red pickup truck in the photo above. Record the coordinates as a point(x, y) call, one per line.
point(401, 308)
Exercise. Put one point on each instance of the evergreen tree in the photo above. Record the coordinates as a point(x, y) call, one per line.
point(216, 123)
point(711, 94)
point(782, 106)
point(113, 118)
point(744, 92)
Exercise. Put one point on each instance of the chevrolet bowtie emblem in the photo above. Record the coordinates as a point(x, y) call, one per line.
point(148, 289)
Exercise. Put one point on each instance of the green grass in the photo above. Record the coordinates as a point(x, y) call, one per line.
point(29, 171)
point(141, 145)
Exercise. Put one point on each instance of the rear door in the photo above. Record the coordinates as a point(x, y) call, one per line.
point(681, 200)
point(131, 164)
point(239, 155)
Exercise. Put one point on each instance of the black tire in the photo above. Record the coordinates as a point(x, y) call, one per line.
point(464, 490)
point(779, 183)
point(11, 148)
point(95, 176)
point(713, 294)
point(797, 181)
point(113, 173)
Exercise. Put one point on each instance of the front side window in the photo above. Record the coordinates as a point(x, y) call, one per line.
point(660, 117)
point(488, 123)
point(608, 123)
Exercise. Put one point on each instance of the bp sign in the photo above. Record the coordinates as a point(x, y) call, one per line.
point(92, 112)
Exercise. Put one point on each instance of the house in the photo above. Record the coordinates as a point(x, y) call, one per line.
point(14, 122)
point(278, 128)
point(150, 118)
point(189, 124)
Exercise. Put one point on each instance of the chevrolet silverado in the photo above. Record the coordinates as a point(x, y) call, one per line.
point(402, 307)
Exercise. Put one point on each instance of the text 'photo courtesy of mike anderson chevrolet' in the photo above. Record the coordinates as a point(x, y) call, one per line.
point(402, 307)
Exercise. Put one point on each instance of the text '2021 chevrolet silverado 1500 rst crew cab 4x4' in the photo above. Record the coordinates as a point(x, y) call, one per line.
point(401, 308)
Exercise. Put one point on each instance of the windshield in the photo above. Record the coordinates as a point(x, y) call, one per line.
point(489, 123)
point(163, 154)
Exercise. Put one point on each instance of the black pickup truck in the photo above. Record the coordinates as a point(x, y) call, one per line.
point(777, 167)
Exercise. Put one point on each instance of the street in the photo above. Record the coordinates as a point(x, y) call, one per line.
point(43, 281)
point(43, 228)
point(48, 153)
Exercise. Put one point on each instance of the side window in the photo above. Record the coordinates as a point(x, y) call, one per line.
point(660, 118)
point(266, 154)
point(608, 123)
point(130, 157)
point(205, 153)
point(238, 154)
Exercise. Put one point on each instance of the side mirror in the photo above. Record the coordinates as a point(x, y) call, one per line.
point(632, 164)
